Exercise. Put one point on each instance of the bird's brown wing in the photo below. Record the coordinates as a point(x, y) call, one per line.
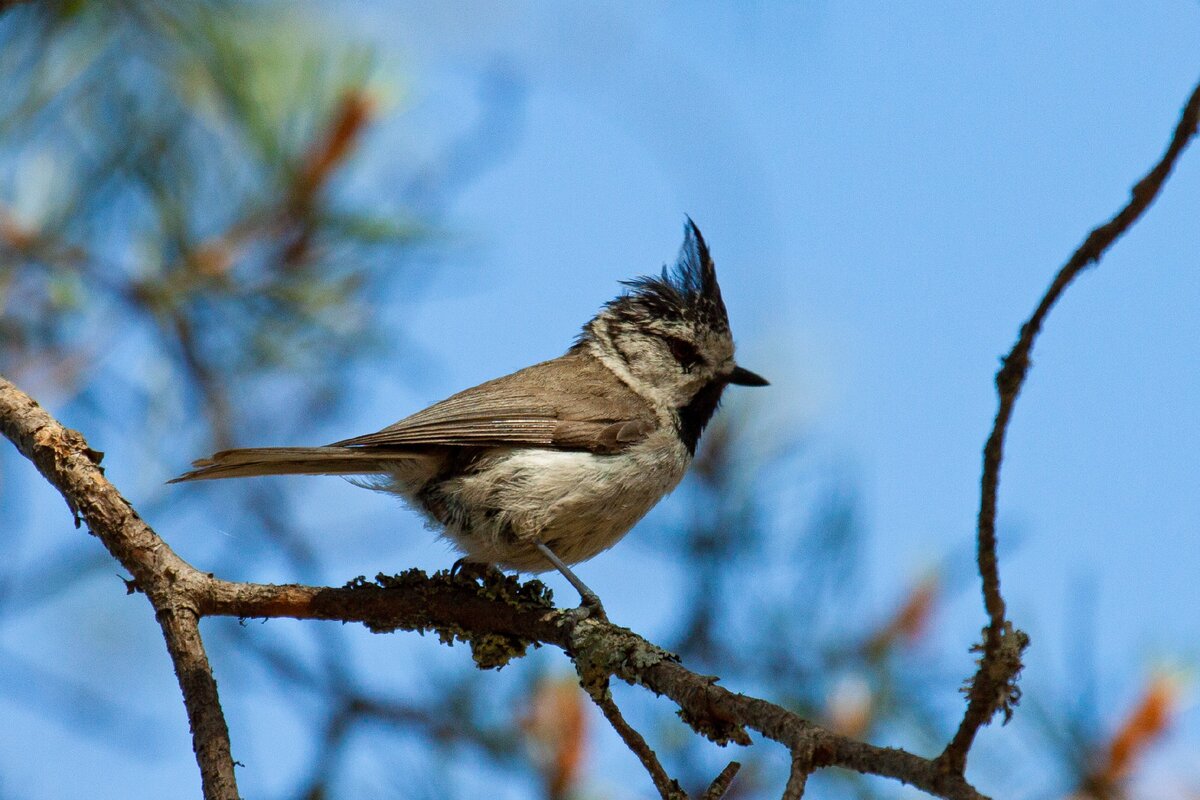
point(571, 403)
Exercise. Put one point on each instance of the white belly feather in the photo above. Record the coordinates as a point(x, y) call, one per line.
point(576, 503)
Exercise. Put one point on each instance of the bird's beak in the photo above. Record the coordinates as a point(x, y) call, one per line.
point(744, 377)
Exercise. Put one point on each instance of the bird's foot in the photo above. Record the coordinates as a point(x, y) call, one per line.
point(470, 570)
point(590, 608)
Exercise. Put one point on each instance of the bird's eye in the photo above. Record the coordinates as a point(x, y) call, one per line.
point(684, 352)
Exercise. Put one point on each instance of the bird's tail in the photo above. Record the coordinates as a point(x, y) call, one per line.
point(296, 461)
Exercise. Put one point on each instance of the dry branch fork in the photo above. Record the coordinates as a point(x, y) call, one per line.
point(498, 618)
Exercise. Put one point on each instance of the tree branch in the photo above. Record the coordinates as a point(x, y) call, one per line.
point(668, 787)
point(498, 618)
point(210, 734)
point(797, 777)
point(66, 461)
point(720, 785)
point(993, 686)
point(501, 616)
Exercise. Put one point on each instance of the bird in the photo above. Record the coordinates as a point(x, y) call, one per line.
point(550, 465)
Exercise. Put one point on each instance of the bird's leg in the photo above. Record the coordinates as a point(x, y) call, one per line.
point(591, 602)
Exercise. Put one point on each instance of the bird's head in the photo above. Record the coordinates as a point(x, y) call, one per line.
point(669, 336)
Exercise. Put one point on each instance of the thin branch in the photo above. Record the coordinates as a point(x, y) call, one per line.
point(668, 787)
point(798, 776)
point(210, 734)
point(720, 785)
point(992, 686)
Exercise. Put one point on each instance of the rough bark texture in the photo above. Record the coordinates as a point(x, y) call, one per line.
point(171, 584)
point(499, 618)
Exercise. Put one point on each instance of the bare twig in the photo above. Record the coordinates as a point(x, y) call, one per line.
point(798, 776)
point(992, 687)
point(720, 785)
point(667, 786)
point(499, 619)
point(210, 734)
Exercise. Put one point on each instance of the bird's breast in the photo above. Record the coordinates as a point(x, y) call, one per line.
point(577, 503)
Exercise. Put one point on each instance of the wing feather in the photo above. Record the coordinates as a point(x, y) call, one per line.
point(573, 402)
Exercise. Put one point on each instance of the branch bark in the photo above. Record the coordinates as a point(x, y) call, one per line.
point(499, 618)
point(993, 686)
point(668, 788)
point(802, 767)
point(65, 460)
point(720, 785)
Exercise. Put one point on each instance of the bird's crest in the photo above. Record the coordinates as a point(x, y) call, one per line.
point(687, 292)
